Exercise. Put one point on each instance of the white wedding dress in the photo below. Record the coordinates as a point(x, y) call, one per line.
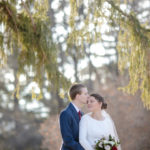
point(91, 130)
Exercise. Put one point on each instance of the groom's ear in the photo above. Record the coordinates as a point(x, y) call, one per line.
point(77, 96)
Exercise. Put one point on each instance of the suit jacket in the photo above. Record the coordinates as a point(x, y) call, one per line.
point(69, 127)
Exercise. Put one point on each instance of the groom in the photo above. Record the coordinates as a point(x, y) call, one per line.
point(70, 117)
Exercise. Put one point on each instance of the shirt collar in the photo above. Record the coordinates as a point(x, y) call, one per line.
point(77, 109)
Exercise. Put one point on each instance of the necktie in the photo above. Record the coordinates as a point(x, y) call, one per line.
point(79, 113)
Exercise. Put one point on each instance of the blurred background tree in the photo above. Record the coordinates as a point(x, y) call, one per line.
point(28, 69)
point(132, 38)
point(48, 44)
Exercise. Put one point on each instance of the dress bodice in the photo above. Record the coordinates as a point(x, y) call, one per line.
point(98, 129)
point(91, 130)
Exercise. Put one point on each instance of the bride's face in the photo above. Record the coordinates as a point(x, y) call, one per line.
point(93, 104)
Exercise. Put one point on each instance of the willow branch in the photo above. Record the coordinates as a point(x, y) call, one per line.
point(27, 10)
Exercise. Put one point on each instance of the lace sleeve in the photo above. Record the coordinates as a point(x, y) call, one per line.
point(83, 134)
point(105, 114)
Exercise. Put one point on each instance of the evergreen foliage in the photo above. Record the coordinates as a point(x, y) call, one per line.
point(26, 27)
point(133, 42)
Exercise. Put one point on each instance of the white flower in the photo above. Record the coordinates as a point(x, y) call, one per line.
point(105, 141)
point(96, 140)
point(111, 142)
point(100, 144)
point(107, 147)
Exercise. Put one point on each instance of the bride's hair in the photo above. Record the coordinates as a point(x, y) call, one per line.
point(99, 98)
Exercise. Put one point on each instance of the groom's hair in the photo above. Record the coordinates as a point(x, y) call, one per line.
point(75, 89)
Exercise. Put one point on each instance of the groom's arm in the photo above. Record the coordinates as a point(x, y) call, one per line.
point(66, 132)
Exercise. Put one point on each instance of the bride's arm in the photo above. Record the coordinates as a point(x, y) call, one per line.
point(83, 134)
point(114, 127)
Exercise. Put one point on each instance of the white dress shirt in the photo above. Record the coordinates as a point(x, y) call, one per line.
point(77, 109)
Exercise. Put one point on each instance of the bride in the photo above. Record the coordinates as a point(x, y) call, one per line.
point(96, 124)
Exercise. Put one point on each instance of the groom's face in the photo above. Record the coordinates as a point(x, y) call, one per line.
point(83, 97)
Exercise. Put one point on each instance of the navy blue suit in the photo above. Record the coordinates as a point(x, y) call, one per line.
point(69, 126)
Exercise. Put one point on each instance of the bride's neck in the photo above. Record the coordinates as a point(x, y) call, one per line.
point(97, 115)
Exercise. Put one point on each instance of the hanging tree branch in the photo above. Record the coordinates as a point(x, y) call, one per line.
point(133, 42)
point(36, 48)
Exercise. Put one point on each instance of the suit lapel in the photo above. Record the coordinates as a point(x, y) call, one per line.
point(75, 114)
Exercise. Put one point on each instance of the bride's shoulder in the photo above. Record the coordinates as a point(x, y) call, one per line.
point(86, 116)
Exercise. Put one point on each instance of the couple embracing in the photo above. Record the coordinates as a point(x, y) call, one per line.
point(80, 132)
